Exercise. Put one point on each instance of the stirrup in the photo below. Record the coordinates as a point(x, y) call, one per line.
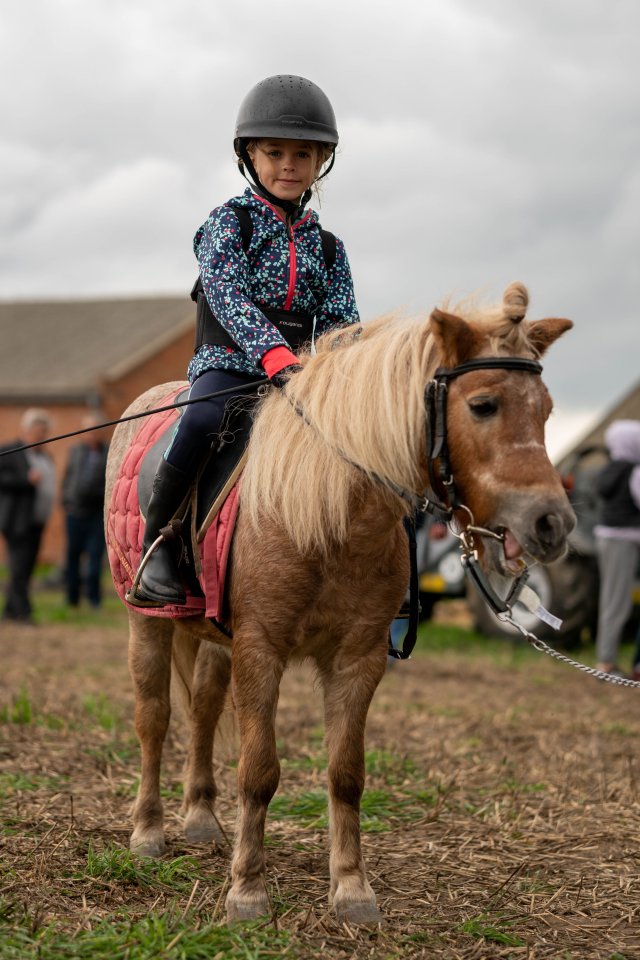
point(171, 531)
point(131, 596)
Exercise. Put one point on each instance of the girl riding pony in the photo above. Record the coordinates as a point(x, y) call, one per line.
point(267, 285)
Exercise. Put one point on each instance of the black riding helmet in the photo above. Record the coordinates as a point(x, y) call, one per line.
point(289, 108)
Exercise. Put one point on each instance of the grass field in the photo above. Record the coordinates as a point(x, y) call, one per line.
point(501, 816)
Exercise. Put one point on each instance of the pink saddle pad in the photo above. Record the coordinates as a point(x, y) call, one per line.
point(125, 529)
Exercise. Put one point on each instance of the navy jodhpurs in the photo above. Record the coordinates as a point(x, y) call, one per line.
point(200, 422)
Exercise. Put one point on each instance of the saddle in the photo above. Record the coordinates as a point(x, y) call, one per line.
point(210, 512)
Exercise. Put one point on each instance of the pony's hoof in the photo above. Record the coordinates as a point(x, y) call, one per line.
point(359, 914)
point(247, 908)
point(147, 846)
point(202, 827)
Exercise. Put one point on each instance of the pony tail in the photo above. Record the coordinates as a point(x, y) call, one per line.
point(515, 301)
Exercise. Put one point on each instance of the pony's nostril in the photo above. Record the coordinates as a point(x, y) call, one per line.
point(549, 529)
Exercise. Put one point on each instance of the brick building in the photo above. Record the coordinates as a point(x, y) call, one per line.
point(72, 356)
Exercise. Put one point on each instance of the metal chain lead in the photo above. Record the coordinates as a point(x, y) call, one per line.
point(543, 647)
point(465, 537)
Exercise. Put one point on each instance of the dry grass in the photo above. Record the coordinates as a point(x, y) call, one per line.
point(507, 821)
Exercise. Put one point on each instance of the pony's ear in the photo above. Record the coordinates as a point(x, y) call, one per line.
point(457, 340)
point(543, 333)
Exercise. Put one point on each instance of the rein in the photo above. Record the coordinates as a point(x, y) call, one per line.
point(252, 385)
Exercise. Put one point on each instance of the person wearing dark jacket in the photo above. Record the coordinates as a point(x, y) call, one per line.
point(617, 537)
point(27, 493)
point(83, 499)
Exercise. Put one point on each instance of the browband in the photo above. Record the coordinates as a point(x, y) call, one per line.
point(488, 363)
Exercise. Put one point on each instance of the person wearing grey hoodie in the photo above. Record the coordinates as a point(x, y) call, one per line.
point(618, 538)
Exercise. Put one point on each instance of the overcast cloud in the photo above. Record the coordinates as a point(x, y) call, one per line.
point(481, 141)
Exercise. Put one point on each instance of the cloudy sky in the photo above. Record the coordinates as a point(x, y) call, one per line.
point(481, 141)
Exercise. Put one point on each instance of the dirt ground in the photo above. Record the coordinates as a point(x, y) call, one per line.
point(503, 819)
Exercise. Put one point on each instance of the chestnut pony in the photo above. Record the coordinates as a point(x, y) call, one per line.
point(320, 561)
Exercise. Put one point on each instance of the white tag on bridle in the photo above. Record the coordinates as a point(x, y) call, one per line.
point(530, 599)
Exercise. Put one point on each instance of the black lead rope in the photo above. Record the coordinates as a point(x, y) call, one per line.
point(252, 385)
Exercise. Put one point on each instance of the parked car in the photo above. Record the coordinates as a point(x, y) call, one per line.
point(567, 588)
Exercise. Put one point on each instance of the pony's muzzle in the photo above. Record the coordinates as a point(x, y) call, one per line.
point(534, 528)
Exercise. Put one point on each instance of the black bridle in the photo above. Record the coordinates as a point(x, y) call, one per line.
point(436, 394)
point(435, 399)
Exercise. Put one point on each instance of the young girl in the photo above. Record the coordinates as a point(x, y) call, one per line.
point(267, 285)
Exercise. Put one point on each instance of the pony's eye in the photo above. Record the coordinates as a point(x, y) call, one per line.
point(483, 407)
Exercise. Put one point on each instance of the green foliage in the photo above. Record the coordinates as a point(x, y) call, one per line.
point(164, 935)
point(116, 751)
point(379, 809)
point(20, 711)
point(12, 783)
point(49, 605)
point(390, 767)
point(309, 807)
point(483, 928)
point(122, 866)
point(317, 762)
point(102, 711)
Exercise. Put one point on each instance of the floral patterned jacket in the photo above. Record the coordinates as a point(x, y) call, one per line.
point(275, 272)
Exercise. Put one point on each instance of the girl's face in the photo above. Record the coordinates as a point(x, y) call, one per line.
point(285, 167)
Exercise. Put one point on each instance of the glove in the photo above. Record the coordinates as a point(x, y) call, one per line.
point(279, 363)
point(280, 378)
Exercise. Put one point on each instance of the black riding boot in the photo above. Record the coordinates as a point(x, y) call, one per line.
point(159, 583)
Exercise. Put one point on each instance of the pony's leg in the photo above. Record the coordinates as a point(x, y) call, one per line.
point(210, 682)
point(256, 674)
point(349, 683)
point(150, 667)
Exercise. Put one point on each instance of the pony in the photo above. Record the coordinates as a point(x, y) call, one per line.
point(319, 565)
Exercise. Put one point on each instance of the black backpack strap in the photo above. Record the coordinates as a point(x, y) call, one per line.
point(246, 232)
point(328, 241)
point(246, 225)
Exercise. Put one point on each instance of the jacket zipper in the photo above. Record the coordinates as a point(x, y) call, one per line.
point(289, 227)
point(293, 263)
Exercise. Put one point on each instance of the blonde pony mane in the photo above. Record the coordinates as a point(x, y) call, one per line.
point(362, 399)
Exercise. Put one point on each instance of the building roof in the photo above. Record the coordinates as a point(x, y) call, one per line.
point(626, 408)
point(63, 350)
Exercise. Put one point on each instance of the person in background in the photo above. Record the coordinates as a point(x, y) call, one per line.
point(617, 537)
point(82, 500)
point(27, 494)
